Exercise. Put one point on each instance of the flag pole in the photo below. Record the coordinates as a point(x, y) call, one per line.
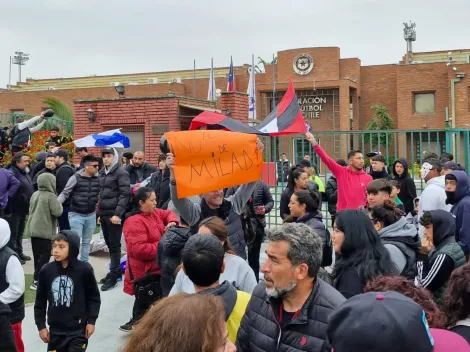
point(194, 79)
point(274, 87)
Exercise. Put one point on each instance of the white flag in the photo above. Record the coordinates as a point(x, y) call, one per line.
point(252, 92)
point(211, 93)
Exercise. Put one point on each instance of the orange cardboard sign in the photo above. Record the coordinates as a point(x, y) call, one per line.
point(208, 160)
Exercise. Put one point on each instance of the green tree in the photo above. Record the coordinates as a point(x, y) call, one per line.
point(61, 110)
point(381, 122)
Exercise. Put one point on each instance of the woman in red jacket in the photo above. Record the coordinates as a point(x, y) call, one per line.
point(142, 230)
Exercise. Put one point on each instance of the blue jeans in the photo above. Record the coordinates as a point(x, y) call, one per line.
point(84, 225)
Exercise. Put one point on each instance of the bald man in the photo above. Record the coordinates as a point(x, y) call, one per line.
point(139, 170)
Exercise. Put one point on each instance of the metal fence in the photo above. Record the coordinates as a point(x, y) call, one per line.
point(410, 144)
point(8, 119)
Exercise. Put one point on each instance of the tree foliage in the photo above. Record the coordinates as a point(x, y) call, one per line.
point(382, 121)
point(61, 110)
point(261, 66)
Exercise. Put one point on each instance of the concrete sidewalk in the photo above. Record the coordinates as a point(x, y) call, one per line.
point(116, 309)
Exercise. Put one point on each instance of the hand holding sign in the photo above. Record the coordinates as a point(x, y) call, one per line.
point(204, 161)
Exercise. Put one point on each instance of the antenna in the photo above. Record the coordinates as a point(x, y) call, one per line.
point(410, 36)
point(20, 59)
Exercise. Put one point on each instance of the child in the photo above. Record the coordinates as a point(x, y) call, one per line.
point(44, 209)
point(67, 288)
point(394, 194)
point(412, 216)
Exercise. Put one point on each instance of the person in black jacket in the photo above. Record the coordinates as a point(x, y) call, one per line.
point(68, 291)
point(289, 311)
point(114, 198)
point(49, 167)
point(62, 174)
point(7, 339)
point(139, 170)
point(160, 183)
point(331, 192)
point(408, 188)
point(362, 256)
point(18, 209)
point(254, 220)
point(297, 180)
point(40, 164)
point(169, 254)
point(83, 190)
point(303, 208)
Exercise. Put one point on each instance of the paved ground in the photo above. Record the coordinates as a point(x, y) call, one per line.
point(116, 307)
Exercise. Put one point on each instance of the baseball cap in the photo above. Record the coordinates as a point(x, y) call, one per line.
point(451, 165)
point(379, 322)
point(373, 153)
point(62, 153)
point(448, 341)
point(107, 151)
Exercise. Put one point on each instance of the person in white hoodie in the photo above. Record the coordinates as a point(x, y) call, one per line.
point(11, 284)
point(434, 195)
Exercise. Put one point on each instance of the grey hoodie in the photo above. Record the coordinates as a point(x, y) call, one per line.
point(433, 197)
point(402, 228)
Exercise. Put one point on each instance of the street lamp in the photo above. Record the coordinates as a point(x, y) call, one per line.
point(20, 59)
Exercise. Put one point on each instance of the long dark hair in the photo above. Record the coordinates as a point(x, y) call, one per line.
point(294, 174)
point(388, 213)
point(218, 229)
point(307, 197)
point(362, 249)
point(457, 297)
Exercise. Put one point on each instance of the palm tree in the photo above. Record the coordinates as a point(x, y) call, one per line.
point(264, 63)
point(61, 110)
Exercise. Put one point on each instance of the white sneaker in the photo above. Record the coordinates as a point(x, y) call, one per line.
point(34, 286)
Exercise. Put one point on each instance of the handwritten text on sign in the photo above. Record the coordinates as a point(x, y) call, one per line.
point(208, 160)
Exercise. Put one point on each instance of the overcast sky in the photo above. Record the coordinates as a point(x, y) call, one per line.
point(69, 38)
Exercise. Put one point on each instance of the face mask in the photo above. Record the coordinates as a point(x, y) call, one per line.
point(451, 198)
point(425, 169)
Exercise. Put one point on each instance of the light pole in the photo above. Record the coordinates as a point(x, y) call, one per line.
point(20, 59)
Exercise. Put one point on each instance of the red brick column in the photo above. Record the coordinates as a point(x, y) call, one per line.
point(237, 102)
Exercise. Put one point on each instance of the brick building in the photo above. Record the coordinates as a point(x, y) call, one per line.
point(335, 94)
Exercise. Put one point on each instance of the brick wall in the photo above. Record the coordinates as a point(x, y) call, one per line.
point(129, 112)
point(237, 103)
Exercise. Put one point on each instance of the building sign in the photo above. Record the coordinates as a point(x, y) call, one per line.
point(312, 107)
point(159, 129)
point(303, 64)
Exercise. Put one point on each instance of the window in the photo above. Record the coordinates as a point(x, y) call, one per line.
point(424, 103)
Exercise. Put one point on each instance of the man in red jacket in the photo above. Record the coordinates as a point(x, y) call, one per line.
point(352, 180)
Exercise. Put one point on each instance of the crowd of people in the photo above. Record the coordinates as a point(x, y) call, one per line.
point(392, 275)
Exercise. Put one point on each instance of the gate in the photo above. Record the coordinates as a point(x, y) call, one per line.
point(393, 144)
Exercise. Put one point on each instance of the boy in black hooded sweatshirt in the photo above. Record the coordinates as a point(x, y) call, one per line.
point(70, 289)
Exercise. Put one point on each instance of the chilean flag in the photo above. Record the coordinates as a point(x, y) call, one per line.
point(285, 119)
point(231, 78)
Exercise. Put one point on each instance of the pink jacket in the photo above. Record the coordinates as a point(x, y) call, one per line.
point(352, 186)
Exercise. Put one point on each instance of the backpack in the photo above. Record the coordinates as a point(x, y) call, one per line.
point(327, 258)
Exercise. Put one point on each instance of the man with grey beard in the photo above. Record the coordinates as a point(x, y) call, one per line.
point(18, 208)
point(289, 311)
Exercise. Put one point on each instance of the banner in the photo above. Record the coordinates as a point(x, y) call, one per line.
point(208, 160)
